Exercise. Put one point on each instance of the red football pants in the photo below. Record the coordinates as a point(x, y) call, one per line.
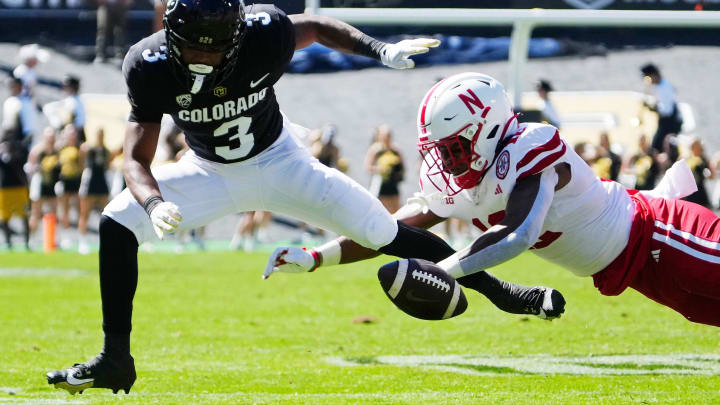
point(672, 257)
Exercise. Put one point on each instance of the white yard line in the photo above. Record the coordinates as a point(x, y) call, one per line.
point(639, 364)
point(44, 272)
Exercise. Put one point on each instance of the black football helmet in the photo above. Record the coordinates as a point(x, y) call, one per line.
point(205, 25)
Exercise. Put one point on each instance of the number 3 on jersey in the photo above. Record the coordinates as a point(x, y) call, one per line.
point(240, 142)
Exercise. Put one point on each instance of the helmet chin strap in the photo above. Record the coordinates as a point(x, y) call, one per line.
point(199, 71)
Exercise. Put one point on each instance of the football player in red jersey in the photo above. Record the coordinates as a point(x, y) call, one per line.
point(525, 189)
point(212, 69)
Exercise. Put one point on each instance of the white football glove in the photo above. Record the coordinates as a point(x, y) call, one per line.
point(165, 218)
point(289, 260)
point(397, 55)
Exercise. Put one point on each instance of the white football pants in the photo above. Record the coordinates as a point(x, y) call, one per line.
point(284, 178)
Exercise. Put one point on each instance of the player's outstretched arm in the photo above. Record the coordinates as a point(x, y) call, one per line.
point(526, 209)
point(343, 250)
point(345, 38)
point(543, 302)
point(140, 145)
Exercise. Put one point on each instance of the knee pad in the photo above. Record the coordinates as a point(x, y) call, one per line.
point(380, 229)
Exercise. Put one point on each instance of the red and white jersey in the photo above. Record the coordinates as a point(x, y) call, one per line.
point(589, 220)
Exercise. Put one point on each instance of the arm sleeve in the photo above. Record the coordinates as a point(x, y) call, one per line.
point(516, 242)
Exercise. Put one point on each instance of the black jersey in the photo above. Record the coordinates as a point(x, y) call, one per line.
point(237, 119)
point(97, 159)
point(12, 158)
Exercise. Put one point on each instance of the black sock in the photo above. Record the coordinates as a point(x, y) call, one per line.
point(118, 281)
point(412, 242)
point(507, 296)
point(117, 344)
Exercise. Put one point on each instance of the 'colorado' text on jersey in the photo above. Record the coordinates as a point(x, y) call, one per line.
point(240, 116)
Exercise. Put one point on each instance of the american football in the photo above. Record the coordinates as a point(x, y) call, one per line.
point(422, 289)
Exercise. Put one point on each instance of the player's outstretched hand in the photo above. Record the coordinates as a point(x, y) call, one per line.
point(165, 218)
point(397, 55)
point(289, 260)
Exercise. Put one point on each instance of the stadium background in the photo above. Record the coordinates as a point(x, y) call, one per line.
point(357, 101)
point(207, 330)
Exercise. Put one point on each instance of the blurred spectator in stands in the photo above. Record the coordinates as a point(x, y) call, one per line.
point(663, 102)
point(549, 114)
point(44, 170)
point(587, 152)
point(458, 233)
point(117, 182)
point(669, 154)
point(608, 162)
point(251, 230)
point(111, 20)
point(69, 110)
point(385, 163)
point(29, 56)
point(643, 166)
point(324, 148)
point(701, 170)
point(71, 167)
point(19, 117)
point(13, 187)
point(94, 190)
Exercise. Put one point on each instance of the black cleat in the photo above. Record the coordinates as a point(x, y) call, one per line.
point(101, 372)
point(544, 302)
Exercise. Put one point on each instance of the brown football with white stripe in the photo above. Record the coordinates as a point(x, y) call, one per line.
point(422, 289)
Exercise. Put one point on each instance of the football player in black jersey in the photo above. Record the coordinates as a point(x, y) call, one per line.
point(212, 69)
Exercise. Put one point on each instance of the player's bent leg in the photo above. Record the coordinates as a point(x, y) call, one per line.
point(114, 367)
point(412, 242)
point(124, 223)
point(302, 187)
point(683, 271)
point(194, 185)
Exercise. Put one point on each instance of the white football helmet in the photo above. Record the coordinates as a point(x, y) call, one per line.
point(461, 121)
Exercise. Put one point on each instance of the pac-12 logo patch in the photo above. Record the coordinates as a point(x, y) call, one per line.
point(184, 100)
point(502, 165)
point(220, 91)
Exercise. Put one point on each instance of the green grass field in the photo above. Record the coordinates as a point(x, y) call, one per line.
point(207, 329)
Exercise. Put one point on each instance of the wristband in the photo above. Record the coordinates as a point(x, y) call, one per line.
point(318, 260)
point(329, 253)
point(151, 202)
point(368, 46)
